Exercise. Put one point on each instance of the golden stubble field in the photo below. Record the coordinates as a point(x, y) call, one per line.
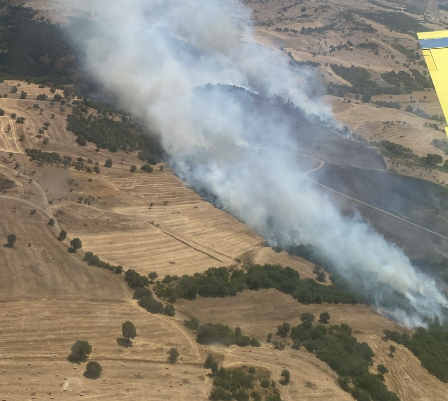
point(50, 298)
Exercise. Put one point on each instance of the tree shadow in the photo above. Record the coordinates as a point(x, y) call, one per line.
point(7, 245)
point(71, 250)
point(124, 342)
point(76, 359)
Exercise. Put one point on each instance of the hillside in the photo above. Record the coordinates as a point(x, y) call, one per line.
point(71, 163)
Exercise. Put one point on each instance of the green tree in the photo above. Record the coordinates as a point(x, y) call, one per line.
point(128, 330)
point(324, 318)
point(307, 319)
point(93, 370)
point(366, 97)
point(147, 168)
point(108, 163)
point(51, 222)
point(80, 351)
point(153, 275)
point(382, 370)
point(169, 310)
point(11, 238)
point(62, 235)
point(76, 244)
point(173, 355)
point(133, 168)
point(283, 329)
point(286, 377)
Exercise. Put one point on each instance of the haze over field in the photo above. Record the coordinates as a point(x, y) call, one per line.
point(156, 56)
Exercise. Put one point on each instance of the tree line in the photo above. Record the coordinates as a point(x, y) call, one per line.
point(223, 282)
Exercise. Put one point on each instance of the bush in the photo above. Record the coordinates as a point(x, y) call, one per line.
point(128, 330)
point(11, 240)
point(80, 351)
point(173, 355)
point(93, 370)
point(147, 168)
point(169, 310)
point(108, 163)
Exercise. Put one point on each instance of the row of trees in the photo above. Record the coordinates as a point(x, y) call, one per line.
point(223, 282)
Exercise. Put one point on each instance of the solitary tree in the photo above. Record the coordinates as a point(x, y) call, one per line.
point(128, 330)
point(51, 222)
point(382, 370)
point(173, 355)
point(324, 318)
point(133, 168)
point(286, 377)
point(11, 238)
point(80, 351)
point(76, 244)
point(93, 370)
point(108, 163)
point(62, 235)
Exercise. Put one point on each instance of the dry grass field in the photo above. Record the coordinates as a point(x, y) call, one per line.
point(260, 312)
point(36, 338)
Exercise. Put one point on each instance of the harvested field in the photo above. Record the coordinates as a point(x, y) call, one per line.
point(8, 136)
point(40, 266)
point(310, 378)
point(260, 312)
point(36, 338)
point(406, 377)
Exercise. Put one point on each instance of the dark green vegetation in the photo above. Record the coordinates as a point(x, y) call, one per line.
point(359, 77)
point(43, 157)
point(11, 240)
point(397, 21)
point(144, 295)
point(362, 83)
point(346, 356)
point(441, 144)
point(391, 105)
point(76, 244)
point(173, 355)
point(241, 384)
point(93, 370)
point(429, 345)
point(33, 50)
point(222, 334)
point(407, 82)
point(94, 260)
point(80, 351)
point(107, 133)
point(128, 330)
point(223, 282)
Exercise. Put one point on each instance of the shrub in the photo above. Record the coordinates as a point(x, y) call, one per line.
point(93, 370)
point(80, 351)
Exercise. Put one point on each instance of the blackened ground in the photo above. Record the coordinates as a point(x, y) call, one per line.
point(410, 199)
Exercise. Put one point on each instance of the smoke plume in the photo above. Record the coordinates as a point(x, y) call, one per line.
point(167, 62)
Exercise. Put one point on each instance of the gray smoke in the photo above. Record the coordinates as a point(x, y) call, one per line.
point(158, 56)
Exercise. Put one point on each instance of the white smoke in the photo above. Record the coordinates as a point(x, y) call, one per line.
point(153, 55)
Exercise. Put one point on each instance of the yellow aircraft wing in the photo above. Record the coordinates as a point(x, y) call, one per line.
point(435, 51)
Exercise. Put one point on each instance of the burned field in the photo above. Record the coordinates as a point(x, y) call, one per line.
point(420, 207)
